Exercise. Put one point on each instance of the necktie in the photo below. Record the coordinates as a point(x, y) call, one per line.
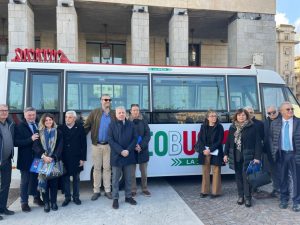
point(286, 140)
point(34, 128)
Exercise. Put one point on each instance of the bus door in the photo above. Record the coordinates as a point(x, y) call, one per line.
point(46, 92)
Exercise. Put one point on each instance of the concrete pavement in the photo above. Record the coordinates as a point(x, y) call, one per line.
point(164, 207)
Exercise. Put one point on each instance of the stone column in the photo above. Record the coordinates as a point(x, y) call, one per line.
point(252, 40)
point(20, 27)
point(140, 35)
point(179, 38)
point(67, 30)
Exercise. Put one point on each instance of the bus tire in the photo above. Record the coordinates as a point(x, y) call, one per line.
point(121, 181)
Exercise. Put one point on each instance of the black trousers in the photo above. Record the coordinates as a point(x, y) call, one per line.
point(52, 186)
point(67, 186)
point(5, 179)
point(288, 163)
point(243, 186)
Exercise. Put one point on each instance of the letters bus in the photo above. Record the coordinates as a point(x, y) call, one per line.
point(173, 100)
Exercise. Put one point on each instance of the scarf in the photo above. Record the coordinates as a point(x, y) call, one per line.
point(238, 134)
point(48, 141)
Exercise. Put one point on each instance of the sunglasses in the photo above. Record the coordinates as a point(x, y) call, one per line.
point(107, 100)
point(271, 113)
point(289, 109)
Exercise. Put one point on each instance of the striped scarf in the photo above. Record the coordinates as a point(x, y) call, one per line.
point(48, 140)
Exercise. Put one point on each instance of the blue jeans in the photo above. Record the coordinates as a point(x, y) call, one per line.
point(5, 179)
point(67, 184)
point(116, 174)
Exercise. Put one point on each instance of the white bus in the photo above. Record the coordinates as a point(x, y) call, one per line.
point(173, 99)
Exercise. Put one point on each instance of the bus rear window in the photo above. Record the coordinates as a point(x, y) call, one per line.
point(242, 92)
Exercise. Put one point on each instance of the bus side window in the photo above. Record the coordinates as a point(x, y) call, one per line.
point(15, 92)
point(242, 92)
point(272, 96)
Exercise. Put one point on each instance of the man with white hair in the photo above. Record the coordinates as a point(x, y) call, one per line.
point(122, 140)
point(73, 156)
point(285, 149)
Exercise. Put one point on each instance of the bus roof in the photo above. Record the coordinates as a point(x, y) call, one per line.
point(263, 76)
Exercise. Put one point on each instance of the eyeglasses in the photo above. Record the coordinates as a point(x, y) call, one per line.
point(4, 111)
point(289, 109)
point(271, 113)
point(107, 100)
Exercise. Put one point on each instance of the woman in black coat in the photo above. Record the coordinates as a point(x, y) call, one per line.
point(209, 146)
point(243, 145)
point(48, 147)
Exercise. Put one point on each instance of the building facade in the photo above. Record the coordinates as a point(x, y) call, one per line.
point(297, 76)
point(286, 41)
point(190, 32)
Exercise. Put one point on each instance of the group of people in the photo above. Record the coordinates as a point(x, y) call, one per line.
point(276, 142)
point(118, 144)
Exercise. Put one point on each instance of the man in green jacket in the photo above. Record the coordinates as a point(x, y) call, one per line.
point(98, 122)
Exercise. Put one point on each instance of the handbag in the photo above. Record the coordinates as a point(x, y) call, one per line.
point(259, 177)
point(36, 165)
point(57, 170)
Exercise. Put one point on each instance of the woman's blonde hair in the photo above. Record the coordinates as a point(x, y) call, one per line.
point(43, 119)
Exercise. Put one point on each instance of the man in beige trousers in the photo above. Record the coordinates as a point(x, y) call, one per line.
point(98, 122)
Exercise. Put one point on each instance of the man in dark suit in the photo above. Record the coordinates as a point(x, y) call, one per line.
point(26, 133)
point(73, 156)
point(285, 149)
point(122, 140)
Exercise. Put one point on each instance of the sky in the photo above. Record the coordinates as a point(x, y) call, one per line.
point(288, 12)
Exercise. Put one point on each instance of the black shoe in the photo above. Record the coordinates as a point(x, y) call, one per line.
point(95, 196)
point(66, 202)
point(296, 208)
point(115, 204)
point(25, 207)
point(54, 207)
point(131, 201)
point(38, 201)
point(240, 201)
point(203, 195)
point(275, 194)
point(46, 207)
point(77, 201)
point(7, 212)
point(283, 205)
point(108, 195)
point(214, 196)
point(248, 203)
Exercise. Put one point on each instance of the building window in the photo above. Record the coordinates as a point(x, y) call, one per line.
point(286, 37)
point(287, 50)
point(286, 66)
point(94, 51)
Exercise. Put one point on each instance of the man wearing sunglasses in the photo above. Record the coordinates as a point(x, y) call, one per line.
point(270, 165)
point(98, 122)
point(285, 149)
